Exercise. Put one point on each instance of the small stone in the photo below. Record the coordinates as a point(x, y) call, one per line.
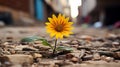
point(86, 37)
point(20, 47)
point(76, 53)
point(103, 57)
point(96, 56)
point(36, 55)
point(3, 59)
point(96, 44)
point(115, 43)
point(74, 59)
point(117, 55)
point(9, 37)
point(74, 42)
point(69, 56)
point(24, 43)
point(34, 65)
point(88, 57)
point(6, 52)
point(1, 50)
point(76, 45)
point(37, 42)
point(6, 43)
point(99, 39)
point(17, 65)
point(108, 59)
point(83, 47)
point(26, 52)
point(64, 42)
point(38, 60)
point(63, 63)
point(8, 63)
point(26, 64)
point(42, 48)
point(111, 35)
point(61, 57)
point(44, 64)
point(29, 49)
point(12, 51)
point(20, 58)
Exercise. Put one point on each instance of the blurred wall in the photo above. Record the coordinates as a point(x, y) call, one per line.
point(105, 11)
point(22, 5)
point(22, 11)
point(60, 6)
point(87, 6)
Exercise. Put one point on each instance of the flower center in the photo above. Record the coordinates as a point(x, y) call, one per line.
point(59, 28)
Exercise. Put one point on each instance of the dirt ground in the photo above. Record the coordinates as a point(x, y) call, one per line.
point(101, 39)
point(20, 32)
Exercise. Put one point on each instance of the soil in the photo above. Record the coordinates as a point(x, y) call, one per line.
point(90, 47)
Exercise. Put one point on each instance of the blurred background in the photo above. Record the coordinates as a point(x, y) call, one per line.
point(94, 13)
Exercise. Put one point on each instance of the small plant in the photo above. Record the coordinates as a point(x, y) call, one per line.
point(58, 27)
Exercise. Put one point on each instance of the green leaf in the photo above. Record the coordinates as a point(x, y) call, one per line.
point(30, 39)
point(45, 43)
point(36, 38)
point(64, 48)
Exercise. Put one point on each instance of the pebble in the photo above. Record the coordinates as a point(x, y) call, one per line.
point(34, 65)
point(61, 57)
point(115, 44)
point(64, 42)
point(86, 37)
point(20, 58)
point(88, 57)
point(9, 37)
point(12, 51)
point(37, 55)
point(62, 63)
point(37, 42)
point(74, 42)
point(6, 43)
point(109, 59)
point(74, 59)
point(96, 56)
point(103, 57)
point(69, 56)
point(26, 64)
point(99, 39)
point(29, 49)
point(117, 55)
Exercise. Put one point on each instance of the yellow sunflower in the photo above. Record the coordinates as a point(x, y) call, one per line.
point(59, 26)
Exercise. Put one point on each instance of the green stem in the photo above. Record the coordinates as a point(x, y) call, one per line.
point(54, 50)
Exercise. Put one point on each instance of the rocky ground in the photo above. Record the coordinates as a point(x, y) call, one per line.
point(86, 47)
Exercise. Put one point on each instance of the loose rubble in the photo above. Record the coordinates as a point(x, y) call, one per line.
point(85, 48)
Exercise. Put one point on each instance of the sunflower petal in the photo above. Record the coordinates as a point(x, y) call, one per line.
point(47, 23)
point(50, 19)
point(52, 34)
point(59, 26)
point(70, 23)
point(67, 19)
point(58, 35)
point(59, 16)
point(61, 36)
point(54, 17)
